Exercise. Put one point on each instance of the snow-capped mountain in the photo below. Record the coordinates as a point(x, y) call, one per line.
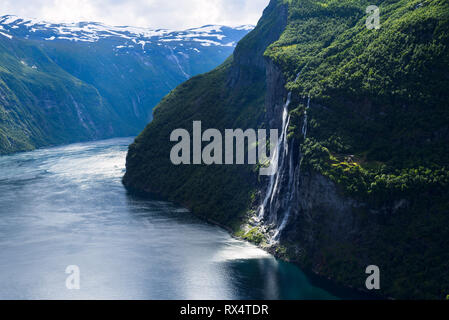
point(210, 35)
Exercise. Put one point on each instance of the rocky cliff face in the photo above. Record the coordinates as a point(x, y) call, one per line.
point(298, 206)
point(249, 54)
point(353, 186)
point(305, 217)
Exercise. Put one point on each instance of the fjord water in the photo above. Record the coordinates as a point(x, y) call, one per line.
point(66, 206)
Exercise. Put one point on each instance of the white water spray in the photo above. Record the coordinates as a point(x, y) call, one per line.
point(282, 143)
point(304, 125)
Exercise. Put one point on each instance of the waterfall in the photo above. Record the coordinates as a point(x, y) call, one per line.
point(304, 125)
point(280, 149)
point(291, 187)
point(289, 197)
point(276, 209)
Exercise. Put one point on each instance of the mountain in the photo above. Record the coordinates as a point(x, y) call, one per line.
point(63, 83)
point(363, 165)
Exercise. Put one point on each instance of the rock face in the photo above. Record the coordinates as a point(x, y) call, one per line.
point(249, 54)
point(308, 219)
point(276, 95)
point(297, 203)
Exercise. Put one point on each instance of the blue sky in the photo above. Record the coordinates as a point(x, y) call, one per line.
point(171, 14)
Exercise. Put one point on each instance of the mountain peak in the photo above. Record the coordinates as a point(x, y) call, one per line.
point(88, 31)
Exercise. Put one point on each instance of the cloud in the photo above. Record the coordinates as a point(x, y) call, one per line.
point(172, 14)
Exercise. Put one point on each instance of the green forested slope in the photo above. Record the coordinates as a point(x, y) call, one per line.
point(388, 90)
point(213, 192)
point(378, 128)
point(41, 104)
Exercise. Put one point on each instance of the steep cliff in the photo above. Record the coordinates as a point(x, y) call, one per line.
point(362, 173)
point(363, 177)
point(231, 96)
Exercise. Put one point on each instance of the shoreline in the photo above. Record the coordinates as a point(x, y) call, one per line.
point(318, 280)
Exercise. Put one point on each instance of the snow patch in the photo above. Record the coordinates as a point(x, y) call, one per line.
point(209, 35)
point(6, 35)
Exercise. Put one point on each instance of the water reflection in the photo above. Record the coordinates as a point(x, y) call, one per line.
point(66, 206)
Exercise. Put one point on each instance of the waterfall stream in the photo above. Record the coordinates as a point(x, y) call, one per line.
point(276, 208)
point(280, 149)
point(304, 125)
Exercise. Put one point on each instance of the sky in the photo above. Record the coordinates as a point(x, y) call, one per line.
point(169, 14)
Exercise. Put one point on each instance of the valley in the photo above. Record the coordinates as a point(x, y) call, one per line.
point(62, 83)
point(352, 204)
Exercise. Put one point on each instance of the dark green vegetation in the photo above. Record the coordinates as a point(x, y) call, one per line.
point(378, 128)
point(44, 105)
point(388, 90)
point(61, 91)
point(206, 189)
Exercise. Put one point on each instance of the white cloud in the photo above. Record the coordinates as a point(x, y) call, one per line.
point(171, 14)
